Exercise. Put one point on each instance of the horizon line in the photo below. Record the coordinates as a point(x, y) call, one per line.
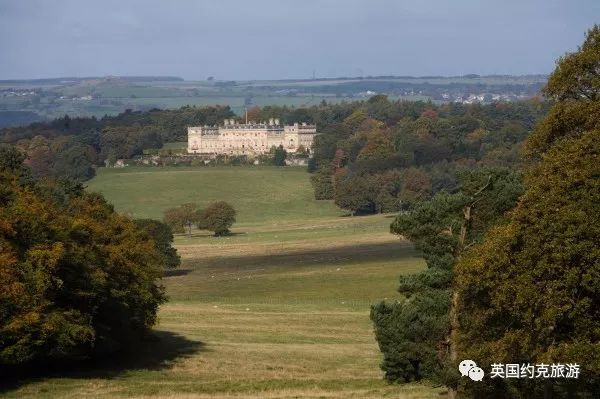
point(362, 77)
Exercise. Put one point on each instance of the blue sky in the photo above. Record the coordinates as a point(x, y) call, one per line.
point(274, 39)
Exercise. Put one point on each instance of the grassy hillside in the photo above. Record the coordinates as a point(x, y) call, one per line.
point(258, 194)
point(279, 309)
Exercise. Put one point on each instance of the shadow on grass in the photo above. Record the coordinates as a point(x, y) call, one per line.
point(232, 234)
point(156, 352)
point(343, 255)
point(206, 234)
point(177, 272)
point(358, 214)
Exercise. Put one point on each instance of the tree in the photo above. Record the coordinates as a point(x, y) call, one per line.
point(78, 279)
point(253, 114)
point(12, 162)
point(218, 217)
point(530, 293)
point(357, 118)
point(111, 157)
point(413, 333)
point(378, 146)
point(39, 156)
point(182, 217)
point(74, 162)
point(163, 239)
point(322, 184)
point(279, 156)
point(416, 186)
point(355, 194)
point(389, 185)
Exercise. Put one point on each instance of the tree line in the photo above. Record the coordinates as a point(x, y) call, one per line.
point(387, 156)
point(371, 136)
point(74, 147)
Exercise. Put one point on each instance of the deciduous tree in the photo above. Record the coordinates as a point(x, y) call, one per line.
point(182, 217)
point(218, 217)
point(78, 279)
point(530, 293)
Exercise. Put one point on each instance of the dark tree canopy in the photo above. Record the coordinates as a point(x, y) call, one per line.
point(402, 153)
point(78, 279)
point(163, 239)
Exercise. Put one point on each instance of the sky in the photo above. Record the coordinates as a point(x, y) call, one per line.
point(279, 39)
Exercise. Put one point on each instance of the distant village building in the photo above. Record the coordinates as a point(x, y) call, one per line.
point(234, 138)
point(119, 163)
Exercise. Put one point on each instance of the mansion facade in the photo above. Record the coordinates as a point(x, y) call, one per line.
point(234, 138)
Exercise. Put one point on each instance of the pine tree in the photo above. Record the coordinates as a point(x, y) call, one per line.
point(413, 333)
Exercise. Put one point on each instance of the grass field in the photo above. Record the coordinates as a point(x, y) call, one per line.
point(257, 193)
point(279, 309)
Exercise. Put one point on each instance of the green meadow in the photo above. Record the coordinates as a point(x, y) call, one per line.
point(259, 194)
point(278, 309)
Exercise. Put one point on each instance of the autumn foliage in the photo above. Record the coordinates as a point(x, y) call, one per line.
point(530, 292)
point(78, 279)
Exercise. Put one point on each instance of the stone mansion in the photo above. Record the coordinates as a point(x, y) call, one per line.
point(234, 138)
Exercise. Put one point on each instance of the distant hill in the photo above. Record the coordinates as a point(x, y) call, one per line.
point(45, 81)
point(110, 95)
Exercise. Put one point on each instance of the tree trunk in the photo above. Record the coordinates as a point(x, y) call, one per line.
point(453, 353)
point(464, 228)
point(454, 324)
